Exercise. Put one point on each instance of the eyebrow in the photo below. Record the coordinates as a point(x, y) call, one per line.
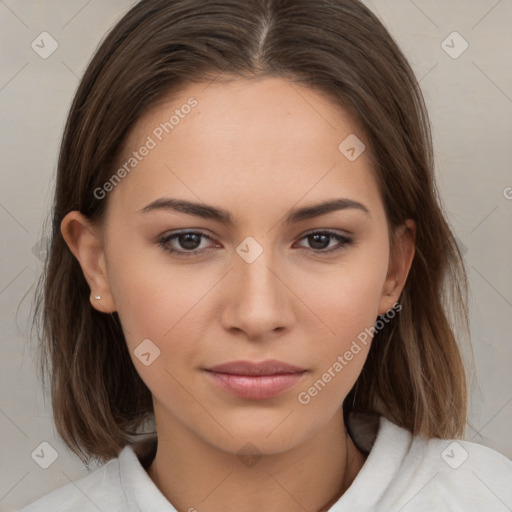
point(223, 216)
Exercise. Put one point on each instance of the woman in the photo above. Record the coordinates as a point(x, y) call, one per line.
point(248, 248)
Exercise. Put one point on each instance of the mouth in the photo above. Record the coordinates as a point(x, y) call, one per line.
point(250, 368)
point(255, 381)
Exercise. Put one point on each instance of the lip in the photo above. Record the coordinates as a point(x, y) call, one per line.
point(268, 367)
point(255, 381)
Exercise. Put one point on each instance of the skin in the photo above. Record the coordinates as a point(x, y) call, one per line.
point(257, 149)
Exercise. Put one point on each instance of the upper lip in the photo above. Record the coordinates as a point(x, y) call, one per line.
point(268, 367)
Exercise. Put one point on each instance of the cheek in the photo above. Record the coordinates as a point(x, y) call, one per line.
point(162, 303)
point(346, 298)
point(153, 314)
point(337, 370)
point(150, 294)
point(348, 307)
point(345, 302)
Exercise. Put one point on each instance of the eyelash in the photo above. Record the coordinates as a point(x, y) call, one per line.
point(344, 242)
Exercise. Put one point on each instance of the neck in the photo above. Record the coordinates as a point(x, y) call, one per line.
point(194, 475)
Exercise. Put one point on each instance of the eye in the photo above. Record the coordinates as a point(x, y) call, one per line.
point(189, 241)
point(320, 240)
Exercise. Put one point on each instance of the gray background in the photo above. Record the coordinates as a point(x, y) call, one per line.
point(470, 103)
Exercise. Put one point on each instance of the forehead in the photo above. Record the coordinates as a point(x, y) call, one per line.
point(265, 106)
point(231, 141)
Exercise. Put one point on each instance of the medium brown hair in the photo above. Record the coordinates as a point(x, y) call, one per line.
point(414, 374)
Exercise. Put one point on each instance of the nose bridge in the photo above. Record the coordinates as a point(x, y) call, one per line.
point(257, 278)
point(257, 299)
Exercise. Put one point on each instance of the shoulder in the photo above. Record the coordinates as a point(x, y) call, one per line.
point(411, 473)
point(449, 473)
point(120, 485)
point(99, 490)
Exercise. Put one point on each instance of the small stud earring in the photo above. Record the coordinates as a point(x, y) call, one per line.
point(97, 297)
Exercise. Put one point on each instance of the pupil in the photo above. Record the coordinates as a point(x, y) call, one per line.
point(189, 240)
point(316, 238)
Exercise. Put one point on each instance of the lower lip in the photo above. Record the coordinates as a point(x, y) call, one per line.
point(255, 387)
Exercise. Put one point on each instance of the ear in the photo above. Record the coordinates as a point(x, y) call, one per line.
point(84, 241)
point(402, 254)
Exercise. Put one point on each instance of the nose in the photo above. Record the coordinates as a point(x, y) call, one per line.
point(257, 300)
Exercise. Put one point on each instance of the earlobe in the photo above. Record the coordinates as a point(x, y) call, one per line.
point(402, 255)
point(84, 241)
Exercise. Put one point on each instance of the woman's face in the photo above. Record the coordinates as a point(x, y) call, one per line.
point(260, 285)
